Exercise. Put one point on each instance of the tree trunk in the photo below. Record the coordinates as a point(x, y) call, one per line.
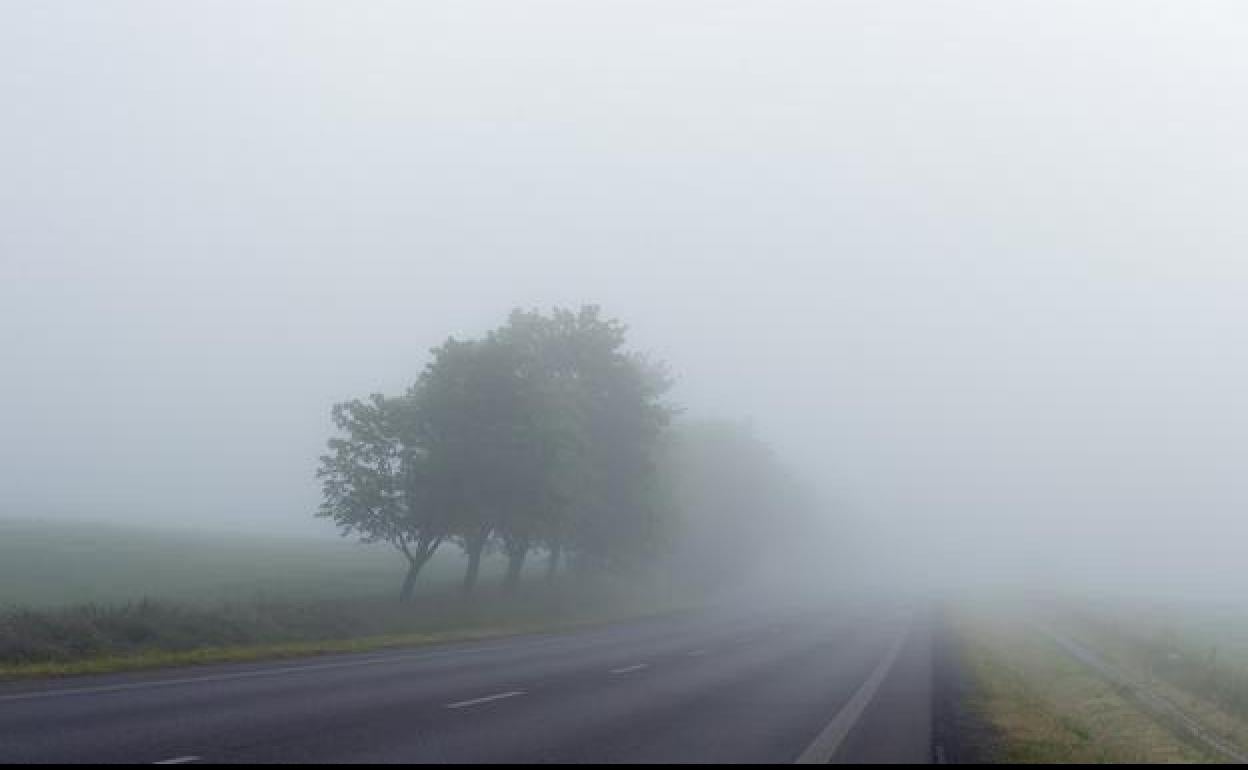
point(474, 569)
point(552, 563)
point(515, 565)
point(476, 547)
point(415, 563)
point(409, 581)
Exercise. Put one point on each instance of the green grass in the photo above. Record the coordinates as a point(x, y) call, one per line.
point(154, 659)
point(1045, 707)
point(45, 564)
point(93, 640)
point(1191, 653)
point(1201, 649)
point(92, 598)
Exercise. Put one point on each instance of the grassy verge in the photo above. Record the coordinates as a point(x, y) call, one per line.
point(155, 658)
point(1178, 653)
point(1045, 707)
point(145, 635)
point(1202, 651)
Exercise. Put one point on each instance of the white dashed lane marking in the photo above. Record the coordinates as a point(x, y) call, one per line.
point(486, 699)
point(630, 669)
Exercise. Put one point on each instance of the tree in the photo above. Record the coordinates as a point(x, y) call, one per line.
point(378, 484)
point(474, 421)
point(736, 504)
point(540, 434)
point(613, 399)
point(548, 428)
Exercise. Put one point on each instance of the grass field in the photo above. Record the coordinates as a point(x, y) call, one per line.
point(1194, 654)
point(92, 598)
point(57, 564)
point(1045, 707)
point(1198, 647)
point(99, 639)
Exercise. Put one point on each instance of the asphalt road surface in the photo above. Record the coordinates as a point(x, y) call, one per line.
point(808, 685)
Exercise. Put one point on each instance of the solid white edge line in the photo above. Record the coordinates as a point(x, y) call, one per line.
point(824, 747)
point(486, 699)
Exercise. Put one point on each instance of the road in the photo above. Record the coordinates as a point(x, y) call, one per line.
point(814, 685)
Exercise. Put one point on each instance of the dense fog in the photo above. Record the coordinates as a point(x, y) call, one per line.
point(975, 271)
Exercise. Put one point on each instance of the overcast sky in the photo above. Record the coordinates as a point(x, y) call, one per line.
point(976, 267)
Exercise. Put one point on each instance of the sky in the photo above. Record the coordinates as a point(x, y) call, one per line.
point(978, 269)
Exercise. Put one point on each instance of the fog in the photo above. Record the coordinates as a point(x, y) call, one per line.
point(976, 269)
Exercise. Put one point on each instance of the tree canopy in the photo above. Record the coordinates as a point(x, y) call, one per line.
point(542, 434)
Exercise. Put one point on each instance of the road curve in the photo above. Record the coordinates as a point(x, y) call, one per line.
point(765, 686)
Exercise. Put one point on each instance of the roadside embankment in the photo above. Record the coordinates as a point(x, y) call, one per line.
point(1044, 705)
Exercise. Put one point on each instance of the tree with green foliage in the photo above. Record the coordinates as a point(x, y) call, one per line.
point(378, 483)
point(735, 502)
point(481, 420)
point(549, 422)
point(619, 523)
point(599, 414)
point(458, 398)
point(541, 434)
